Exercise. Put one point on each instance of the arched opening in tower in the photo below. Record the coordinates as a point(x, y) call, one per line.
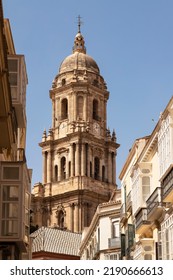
point(95, 110)
point(64, 109)
point(63, 168)
point(96, 168)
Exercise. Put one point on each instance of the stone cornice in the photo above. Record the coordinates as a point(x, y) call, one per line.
point(80, 136)
point(85, 87)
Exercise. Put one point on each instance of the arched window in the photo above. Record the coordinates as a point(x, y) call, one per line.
point(56, 173)
point(95, 83)
point(80, 107)
point(95, 110)
point(64, 109)
point(61, 219)
point(63, 82)
point(96, 168)
point(63, 168)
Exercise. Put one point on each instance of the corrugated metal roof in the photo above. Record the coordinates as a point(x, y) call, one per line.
point(54, 240)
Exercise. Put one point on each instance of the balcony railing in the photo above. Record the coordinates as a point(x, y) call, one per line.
point(167, 187)
point(114, 242)
point(154, 205)
point(141, 220)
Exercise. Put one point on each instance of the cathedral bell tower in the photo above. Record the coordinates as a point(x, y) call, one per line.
point(79, 152)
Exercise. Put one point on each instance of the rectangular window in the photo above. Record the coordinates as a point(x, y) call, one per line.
point(10, 210)
point(116, 229)
point(11, 173)
point(13, 65)
point(112, 256)
point(10, 193)
point(9, 228)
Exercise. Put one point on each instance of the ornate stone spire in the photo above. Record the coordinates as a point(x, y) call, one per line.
point(79, 43)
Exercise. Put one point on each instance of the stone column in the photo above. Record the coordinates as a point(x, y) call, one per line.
point(83, 160)
point(85, 108)
point(100, 168)
point(49, 169)
point(59, 168)
point(58, 109)
point(71, 217)
point(75, 107)
point(109, 167)
point(80, 217)
point(88, 161)
point(113, 169)
point(76, 218)
point(77, 163)
point(67, 166)
point(44, 167)
point(72, 159)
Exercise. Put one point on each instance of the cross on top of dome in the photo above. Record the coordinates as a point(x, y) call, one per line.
point(79, 43)
point(79, 23)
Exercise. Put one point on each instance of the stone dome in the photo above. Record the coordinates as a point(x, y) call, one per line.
point(79, 61)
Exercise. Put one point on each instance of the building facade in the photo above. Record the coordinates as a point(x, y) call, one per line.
point(15, 177)
point(147, 194)
point(102, 239)
point(79, 152)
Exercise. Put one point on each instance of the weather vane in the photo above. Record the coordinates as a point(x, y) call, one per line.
point(79, 23)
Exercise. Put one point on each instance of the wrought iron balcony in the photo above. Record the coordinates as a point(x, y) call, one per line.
point(167, 187)
point(154, 205)
point(142, 223)
point(114, 242)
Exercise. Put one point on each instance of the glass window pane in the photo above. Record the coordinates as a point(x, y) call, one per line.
point(10, 193)
point(13, 79)
point(10, 210)
point(12, 65)
point(11, 173)
point(9, 228)
point(14, 93)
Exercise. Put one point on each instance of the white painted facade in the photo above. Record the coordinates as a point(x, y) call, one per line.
point(102, 240)
point(148, 177)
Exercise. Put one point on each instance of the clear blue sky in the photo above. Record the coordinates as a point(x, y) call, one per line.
point(130, 40)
